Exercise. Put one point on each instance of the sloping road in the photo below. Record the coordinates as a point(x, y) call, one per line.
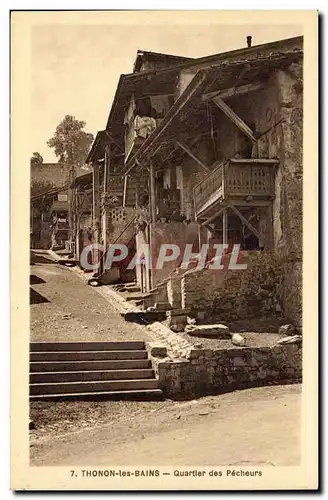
point(252, 427)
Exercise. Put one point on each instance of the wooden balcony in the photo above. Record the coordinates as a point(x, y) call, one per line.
point(235, 179)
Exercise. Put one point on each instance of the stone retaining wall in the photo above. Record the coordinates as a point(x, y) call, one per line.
point(208, 371)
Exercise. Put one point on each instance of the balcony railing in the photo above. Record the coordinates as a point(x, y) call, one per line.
point(236, 178)
point(211, 186)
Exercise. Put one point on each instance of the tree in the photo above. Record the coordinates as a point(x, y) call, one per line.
point(70, 142)
point(36, 159)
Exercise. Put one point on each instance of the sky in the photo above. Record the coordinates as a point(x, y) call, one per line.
point(75, 68)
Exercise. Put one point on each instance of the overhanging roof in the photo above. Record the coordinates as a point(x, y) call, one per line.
point(128, 82)
point(215, 78)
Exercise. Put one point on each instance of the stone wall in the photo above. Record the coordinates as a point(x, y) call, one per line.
point(255, 292)
point(208, 371)
point(232, 294)
point(198, 288)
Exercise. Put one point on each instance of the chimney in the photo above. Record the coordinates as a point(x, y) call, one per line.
point(249, 41)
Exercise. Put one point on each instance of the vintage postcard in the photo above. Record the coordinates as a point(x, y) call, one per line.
point(164, 186)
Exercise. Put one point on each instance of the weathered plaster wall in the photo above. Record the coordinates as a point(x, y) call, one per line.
point(179, 233)
point(208, 371)
point(116, 221)
point(290, 189)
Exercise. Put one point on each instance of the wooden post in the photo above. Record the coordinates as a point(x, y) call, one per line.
point(95, 192)
point(137, 192)
point(152, 193)
point(96, 207)
point(70, 206)
point(153, 217)
point(105, 191)
point(225, 228)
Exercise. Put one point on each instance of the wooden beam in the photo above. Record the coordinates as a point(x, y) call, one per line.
point(256, 161)
point(232, 91)
point(212, 230)
point(125, 187)
point(197, 160)
point(235, 118)
point(246, 222)
point(114, 141)
point(210, 219)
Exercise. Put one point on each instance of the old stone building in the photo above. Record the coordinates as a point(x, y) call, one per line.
point(208, 151)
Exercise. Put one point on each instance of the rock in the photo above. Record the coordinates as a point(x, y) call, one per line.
point(158, 351)
point(84, 327)
point(217, 331)
point(237, 339)
point(191, 321)
point(177, 328)
point(294, 339)
point(286, 329)
point(203, 413)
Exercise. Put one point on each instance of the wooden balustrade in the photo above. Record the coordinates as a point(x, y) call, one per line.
point(236, 179)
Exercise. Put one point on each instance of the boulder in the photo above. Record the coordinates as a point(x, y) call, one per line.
point(239, 340)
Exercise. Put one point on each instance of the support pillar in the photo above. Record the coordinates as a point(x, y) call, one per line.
point(225, 227)
point(95, 207)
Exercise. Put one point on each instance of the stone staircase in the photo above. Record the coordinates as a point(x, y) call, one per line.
point(91, 370)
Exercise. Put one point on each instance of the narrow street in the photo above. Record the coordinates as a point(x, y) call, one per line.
point(255, 426)
point(64, 308)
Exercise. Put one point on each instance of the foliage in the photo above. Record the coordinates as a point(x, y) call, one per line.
point(40, 187)
point(70, 142)
point(36, 158)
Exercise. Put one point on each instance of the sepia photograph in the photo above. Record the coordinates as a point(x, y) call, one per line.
point(165, 254)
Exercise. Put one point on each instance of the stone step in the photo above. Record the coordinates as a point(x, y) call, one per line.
point(87, 355)
point(133, 288)
point(86, 346)
point(62, 366)
point(137, 296)
point(92, 386)
point(134, 395)
point(95, 375)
